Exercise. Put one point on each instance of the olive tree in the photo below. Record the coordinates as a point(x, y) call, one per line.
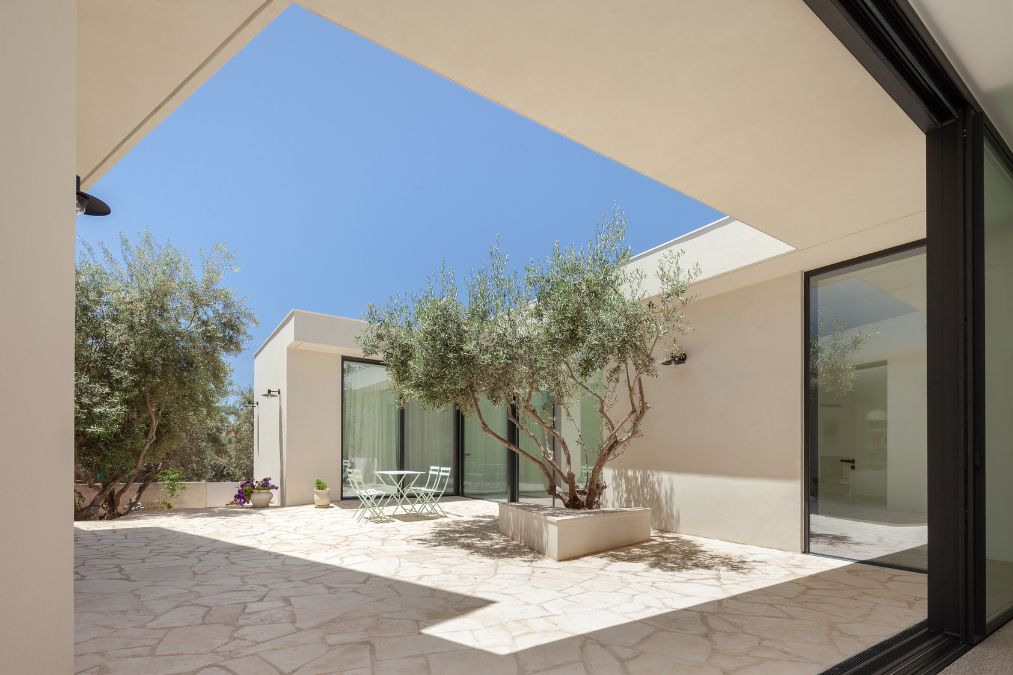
point(152, 337)
point(579, 323)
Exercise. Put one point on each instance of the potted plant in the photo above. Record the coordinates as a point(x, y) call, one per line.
point(256, 493)
point(321, 495)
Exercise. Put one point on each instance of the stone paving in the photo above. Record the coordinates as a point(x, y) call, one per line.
point(304, 590)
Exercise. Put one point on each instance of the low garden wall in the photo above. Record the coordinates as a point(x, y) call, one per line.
point(197, 495)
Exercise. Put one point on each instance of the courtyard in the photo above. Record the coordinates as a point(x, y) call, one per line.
point(305, 590)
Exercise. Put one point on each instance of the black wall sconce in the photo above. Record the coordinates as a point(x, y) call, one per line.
point(675, 359)
point(271, 393)
point(89, 205)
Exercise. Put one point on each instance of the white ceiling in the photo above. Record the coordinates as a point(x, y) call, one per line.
point(977, 37)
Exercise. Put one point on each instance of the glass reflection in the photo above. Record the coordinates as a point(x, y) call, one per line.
point(867, 425)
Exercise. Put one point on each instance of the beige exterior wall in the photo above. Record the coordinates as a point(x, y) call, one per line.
point(298, 435)
point(37, 78)
point(313, 448)
point(721, 452)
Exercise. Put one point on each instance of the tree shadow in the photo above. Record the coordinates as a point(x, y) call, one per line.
point(830, 539)
point(670, 552)
point(478, 535)
point(666, 551)
point(643, 488)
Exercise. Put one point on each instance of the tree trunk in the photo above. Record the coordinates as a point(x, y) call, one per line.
point(112, 504)
point(90, 510)
point(149, 476)
point(140, 468)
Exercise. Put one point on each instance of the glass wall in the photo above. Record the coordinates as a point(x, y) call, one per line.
point(867, 411)
point(581, 426)
point(998, 272)
point(372, 438)
point(369, 421)
point(485, 458)
point(531, 482)
point(429, 439)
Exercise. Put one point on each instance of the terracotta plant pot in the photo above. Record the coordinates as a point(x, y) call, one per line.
point(261, 498)
point(322, 498)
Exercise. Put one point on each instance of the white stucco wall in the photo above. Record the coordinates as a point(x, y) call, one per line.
point(269, 366)
point(299, 432)
point(37, 132)
point(721, 452)
point(314, 423)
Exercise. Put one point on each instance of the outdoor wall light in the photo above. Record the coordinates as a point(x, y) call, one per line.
point(88, 205)
point(675, 359)
point(271, 393)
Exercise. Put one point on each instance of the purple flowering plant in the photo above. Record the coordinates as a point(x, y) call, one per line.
point(248, 487)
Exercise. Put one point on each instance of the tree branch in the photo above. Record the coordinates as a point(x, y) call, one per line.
point(601, 399)
point(485, 428)
point(552, 430)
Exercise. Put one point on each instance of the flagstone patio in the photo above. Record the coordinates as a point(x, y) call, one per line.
point(305, 590)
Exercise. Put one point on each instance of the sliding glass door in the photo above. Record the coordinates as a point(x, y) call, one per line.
point(866, 410)
point(485, 458)
point(531, 483)
point(429, 438)
point(998, 373)
point(370, 421)
point(377, 435)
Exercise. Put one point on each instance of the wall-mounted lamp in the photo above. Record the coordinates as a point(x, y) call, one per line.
point(89, 205)
point(271, 393)
point(675, 359)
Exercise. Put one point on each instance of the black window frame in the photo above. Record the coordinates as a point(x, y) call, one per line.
point(892, 43)
point(457, 451)
point(809, 405)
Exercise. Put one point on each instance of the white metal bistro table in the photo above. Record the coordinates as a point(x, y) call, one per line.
point(402, 482)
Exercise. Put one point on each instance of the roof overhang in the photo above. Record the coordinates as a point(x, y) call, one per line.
point(753, 108)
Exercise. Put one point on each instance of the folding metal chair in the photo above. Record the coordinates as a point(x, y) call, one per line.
point(428, 496)
point(369, 497)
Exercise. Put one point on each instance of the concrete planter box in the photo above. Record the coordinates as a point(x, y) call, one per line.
point(562, 534)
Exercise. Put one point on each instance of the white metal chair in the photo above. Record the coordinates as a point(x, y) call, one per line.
point(428, 496)
point(431, 479)
point(369, 497)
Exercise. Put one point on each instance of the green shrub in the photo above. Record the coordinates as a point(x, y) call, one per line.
point(172, 480)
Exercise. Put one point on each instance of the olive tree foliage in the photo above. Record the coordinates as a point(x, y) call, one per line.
point(152, 337)
point(222, 450)
point(831, 368)
point(578, 323)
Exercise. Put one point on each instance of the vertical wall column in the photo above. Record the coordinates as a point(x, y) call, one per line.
point(37, 149)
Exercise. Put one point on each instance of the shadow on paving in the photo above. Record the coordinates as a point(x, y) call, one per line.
point(156, 600)
point(665, 551)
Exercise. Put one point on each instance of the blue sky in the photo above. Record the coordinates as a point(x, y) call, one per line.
point(341, 173)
